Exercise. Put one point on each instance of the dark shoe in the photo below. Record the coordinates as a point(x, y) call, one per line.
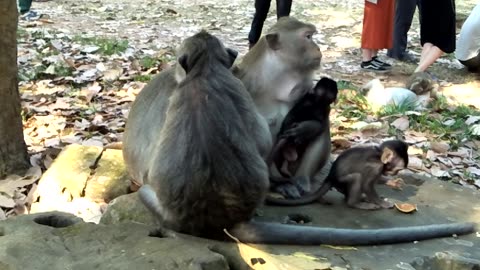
point(370, 66)
point(379, 63)
point(30, 16)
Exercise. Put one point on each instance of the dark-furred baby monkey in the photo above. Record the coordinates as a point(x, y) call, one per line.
point(307, 120)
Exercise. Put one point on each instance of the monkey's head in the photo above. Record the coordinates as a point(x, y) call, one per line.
point(326, 90)
point(394, 156)
point(421, 83)
point(292, 41)
point(203, 48)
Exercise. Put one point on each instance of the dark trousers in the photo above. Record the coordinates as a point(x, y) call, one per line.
point(404, 11)
point(472, 64)
point(261, 12)
point(24, 5)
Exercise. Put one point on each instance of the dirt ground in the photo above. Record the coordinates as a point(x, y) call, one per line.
point(157, 25)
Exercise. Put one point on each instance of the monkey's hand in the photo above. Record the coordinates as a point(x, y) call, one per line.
point(397, 183)
point(302, 132)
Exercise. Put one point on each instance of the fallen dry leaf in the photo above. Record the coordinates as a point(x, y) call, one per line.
point(6, 202)
point(438, 172)
point(474, 171)
point(13, 182)
point(260, 260)
point(406, 207)
point(401, 123)
point(461, 152)
point(341, 142)
point(472, 119)
point(431, 155)
point(339, 247)
point(3, 216)
point(415, 163)
point(439, 147)
point(413, 150)
point(449, 122)
point(475, 129)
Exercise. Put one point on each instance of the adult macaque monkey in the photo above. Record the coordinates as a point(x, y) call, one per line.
point(277, 71)
point(196, 143)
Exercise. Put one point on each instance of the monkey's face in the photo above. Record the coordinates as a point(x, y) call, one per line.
point(299, 50)
point(394, 166)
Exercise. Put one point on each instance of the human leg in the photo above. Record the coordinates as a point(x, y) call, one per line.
point(376, 33)
point(429, 57)
point(367, 54)
point(283, 8)
point(261, 12)
point(425, 50)
point(24, 5)
point(404, 11)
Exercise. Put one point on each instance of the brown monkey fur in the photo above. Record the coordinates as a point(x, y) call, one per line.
point(277, 71)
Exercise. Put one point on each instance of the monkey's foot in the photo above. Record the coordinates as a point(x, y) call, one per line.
point(289, 190)
point(365, 206)
point(302, 182)
point(386, 204)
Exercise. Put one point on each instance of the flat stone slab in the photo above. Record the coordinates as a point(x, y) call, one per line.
point(437, 202)
point(26, 244)
point(80, 180)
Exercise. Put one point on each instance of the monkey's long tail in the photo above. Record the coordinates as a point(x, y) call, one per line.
point(309, 198)
point(284, 234)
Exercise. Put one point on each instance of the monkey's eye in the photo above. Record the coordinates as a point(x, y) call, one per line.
point(309, 36)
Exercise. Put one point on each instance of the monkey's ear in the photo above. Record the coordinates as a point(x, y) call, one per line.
point(387, 155)
point(181, 68)
point(232, 54)
point(273, 41)
point(414, 85)
point(182, 61)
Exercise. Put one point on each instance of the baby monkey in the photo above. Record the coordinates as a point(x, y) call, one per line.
point(356, 171)
point(307, 120)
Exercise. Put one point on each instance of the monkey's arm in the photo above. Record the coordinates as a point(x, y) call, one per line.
point(396, 183)
point(304, 131)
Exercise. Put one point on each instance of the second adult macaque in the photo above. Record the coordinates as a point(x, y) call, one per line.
point(278, 71)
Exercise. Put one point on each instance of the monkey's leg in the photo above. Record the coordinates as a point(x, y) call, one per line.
point(354, 192)
point(315, 157)
point(289, 190)
point(284, 169)
point(373, 196)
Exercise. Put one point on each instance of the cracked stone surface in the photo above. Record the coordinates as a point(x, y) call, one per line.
point(25, 244)
point(81, 180)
